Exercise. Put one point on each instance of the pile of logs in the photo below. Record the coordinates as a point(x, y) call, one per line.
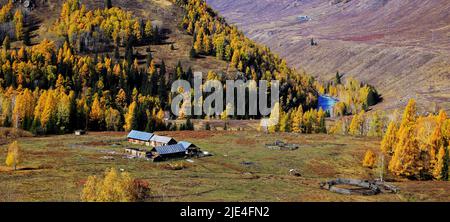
point(367, 187)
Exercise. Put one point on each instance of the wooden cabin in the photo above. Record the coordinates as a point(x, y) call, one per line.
point(139, 137)
point(160, 153)
point(191, 149)
point(157, 141)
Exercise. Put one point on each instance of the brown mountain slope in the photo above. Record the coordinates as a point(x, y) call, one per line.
point(162, 13)
point(401, 47)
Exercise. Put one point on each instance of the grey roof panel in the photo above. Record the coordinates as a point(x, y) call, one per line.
point(185, 144)
point(171, 149)
point(161, 139)
point(144, 136)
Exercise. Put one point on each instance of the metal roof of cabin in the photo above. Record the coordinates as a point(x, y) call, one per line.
point(161, 139)
point(185, 144)
point(170, 149)
point(144, 136)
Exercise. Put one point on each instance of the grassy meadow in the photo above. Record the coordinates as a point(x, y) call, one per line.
point(242, 168)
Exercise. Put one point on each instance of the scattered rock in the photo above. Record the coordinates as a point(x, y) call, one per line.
point(107, 158)
point(280, 145)
point(335, 2)
point(247, 163)
point(295, 172)
point(204, 154)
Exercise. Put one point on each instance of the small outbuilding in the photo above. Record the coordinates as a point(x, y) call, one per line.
point(139, 137)
point(191, 149)
point(80, 132)
point(137, 153)
point(157, 141)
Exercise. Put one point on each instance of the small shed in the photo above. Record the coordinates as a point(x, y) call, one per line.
point(169, 151)
point(80, 132)
point(137, 153)
point(187, 145)
point(139, 137)
point(190, 148)
point(157, 141)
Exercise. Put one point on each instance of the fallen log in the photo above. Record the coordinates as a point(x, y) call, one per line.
point(368, 188)
point(387, 188)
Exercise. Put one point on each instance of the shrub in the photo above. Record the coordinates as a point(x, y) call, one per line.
point(14, 155)
point(114, 187)
point(369, 159)
point(176, 166)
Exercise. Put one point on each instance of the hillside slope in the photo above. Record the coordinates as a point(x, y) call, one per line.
point(401, 47)
point(113, 67)
point(162, 13)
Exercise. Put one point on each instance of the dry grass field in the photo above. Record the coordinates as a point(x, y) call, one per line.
point(242, 168)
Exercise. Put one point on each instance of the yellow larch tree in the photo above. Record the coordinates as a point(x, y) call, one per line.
point(440, 170)
point(406, 160)
point(24, 108)
point(97, 113)
point(321, 115)
point(160, 116)
point(112, 119)
point(297, 121)
point(64, 109)
point(285, 122)
point(121, 98)
point(60, 82)
point(198, 44)
point(130, 117)
point(90, 192)
point(436, 140)
point(39, 109)
point(49, 112)
point(114, 187)
point(356, 126)
point(339, 109)
point(5, 12)
point(446, 131)
point(14, 155)
point(18, 22)
point(148, 29)
point(409, 115)
point(369, 159)
point(137, 30)
point(389, 139)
